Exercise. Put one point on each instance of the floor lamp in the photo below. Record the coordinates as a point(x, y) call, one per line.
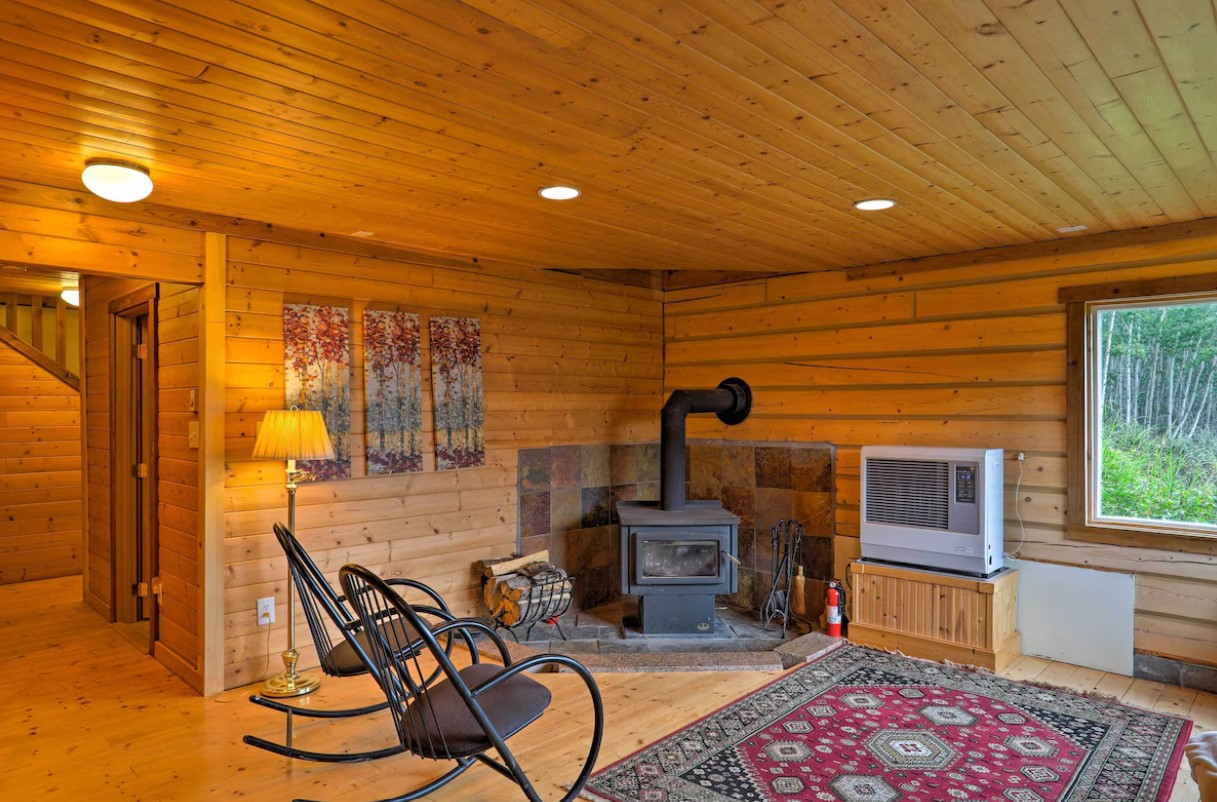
point(292, 434)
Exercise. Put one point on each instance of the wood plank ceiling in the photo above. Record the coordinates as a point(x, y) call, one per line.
point(706, 135)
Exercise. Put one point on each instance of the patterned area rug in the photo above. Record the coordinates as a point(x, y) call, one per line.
point(863, 726)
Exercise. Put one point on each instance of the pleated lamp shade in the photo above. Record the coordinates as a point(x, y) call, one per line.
point(293, 434)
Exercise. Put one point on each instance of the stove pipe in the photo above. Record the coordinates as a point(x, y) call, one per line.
point(731, 401)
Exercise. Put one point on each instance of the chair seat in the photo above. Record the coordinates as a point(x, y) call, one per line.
point(344, 661)
point(453, 731)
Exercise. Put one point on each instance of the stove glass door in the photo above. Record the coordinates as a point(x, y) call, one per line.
point(671, 559)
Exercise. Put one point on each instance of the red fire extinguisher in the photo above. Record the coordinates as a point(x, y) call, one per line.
point(833, 611)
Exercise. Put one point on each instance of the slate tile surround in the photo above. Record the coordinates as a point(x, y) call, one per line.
point(567, 495)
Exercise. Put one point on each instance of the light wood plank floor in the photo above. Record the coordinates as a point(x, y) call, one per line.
point(84, 715)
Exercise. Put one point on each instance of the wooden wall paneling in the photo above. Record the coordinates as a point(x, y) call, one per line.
point(180, 543)
point(966, 352)
point(40, 481)
point(565, 360)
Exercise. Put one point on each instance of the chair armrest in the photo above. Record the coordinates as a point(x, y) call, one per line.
point(421, 587)
point(466, 624)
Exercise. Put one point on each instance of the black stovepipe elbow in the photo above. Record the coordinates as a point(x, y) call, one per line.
point(731, 401)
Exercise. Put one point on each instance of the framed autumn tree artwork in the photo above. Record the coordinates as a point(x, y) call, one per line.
point(393, 385)
point(317, 361)
point(456, 382)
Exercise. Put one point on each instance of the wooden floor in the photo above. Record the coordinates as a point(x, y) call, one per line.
point(84, 715)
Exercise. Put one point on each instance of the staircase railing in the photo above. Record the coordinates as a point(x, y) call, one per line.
point(49, 352)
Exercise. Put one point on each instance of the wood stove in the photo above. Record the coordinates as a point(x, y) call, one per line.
point(677, 563)
point(676, 556)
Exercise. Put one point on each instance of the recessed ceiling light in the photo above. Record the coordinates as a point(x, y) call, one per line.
point(559, 193)
point(70, 295)
point(1070, 229)
point(874, 204)
point(363, 234)
point(117, 180)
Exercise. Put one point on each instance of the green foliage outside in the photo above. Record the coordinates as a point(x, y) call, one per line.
point(1159, 415)
point(1148, 475)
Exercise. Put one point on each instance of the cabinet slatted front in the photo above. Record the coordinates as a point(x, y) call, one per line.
point(934, 615)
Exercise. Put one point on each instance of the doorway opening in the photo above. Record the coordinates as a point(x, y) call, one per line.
point(137, 586)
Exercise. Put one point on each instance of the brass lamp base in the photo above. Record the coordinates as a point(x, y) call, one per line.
point(289, 683)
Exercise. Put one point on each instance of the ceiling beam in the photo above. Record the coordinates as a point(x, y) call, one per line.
point(1153, 245)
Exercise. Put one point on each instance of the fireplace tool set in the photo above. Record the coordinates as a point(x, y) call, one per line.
point(787, 554)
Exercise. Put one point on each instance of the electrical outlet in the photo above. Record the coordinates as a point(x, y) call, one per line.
point(1021, 456)
point(266, 611)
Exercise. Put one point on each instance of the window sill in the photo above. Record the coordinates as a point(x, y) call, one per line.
point(1141, 539)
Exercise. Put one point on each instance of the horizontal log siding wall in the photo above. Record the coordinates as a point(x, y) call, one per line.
point(970, 356)
point(177, 473)
point(40, 484)
point(566, 360)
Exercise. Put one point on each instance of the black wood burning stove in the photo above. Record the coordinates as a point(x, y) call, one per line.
point(676, 564)
point(677, 555)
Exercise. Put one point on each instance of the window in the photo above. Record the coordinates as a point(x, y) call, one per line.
point(1142, 412)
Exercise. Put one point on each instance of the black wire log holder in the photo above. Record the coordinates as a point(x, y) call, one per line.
point(787, 538)
point(547, 599)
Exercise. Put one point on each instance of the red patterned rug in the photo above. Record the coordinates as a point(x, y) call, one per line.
point(863, 726)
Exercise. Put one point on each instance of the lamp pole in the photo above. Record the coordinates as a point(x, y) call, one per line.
point(290, 683)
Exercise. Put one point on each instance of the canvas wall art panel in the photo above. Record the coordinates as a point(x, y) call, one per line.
point(456, 382)
point(393, 384)
point(317, 362)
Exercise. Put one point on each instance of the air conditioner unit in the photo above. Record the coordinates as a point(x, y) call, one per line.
point(935, 508)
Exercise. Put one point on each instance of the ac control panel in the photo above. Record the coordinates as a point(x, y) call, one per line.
point(965, 484)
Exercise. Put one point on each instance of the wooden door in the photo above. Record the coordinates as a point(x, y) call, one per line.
point(133, 469)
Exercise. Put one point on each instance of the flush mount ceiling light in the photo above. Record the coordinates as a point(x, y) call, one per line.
point(1070, 229)
point(70, 295)
point(559, 193)
point(117, 180)
point(874, 204)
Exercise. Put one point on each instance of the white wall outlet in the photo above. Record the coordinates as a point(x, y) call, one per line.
point(266, 611)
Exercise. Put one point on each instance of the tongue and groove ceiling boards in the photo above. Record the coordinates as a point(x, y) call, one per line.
point(706, 135)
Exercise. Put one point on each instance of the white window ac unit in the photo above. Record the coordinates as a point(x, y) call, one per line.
point(935, 508)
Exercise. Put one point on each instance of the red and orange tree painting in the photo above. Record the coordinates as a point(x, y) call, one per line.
point(317, 357)
point(456, 379)
point(392, 370)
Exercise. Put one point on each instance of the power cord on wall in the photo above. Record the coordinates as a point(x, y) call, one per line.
point(1018, 513)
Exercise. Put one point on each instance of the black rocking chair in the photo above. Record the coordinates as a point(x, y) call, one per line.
point(341, 659)
point(473, 710)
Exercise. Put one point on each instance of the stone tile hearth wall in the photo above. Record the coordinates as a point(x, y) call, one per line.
point(567, 495)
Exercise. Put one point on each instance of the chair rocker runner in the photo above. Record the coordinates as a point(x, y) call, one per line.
point(467, 716)
point(341, 659)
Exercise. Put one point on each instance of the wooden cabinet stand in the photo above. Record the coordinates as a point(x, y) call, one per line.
point(934, 615)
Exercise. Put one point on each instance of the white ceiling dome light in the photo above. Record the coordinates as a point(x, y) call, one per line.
point(70, 295)
point(559, 193)
point(117, 180)
point(874, 204)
